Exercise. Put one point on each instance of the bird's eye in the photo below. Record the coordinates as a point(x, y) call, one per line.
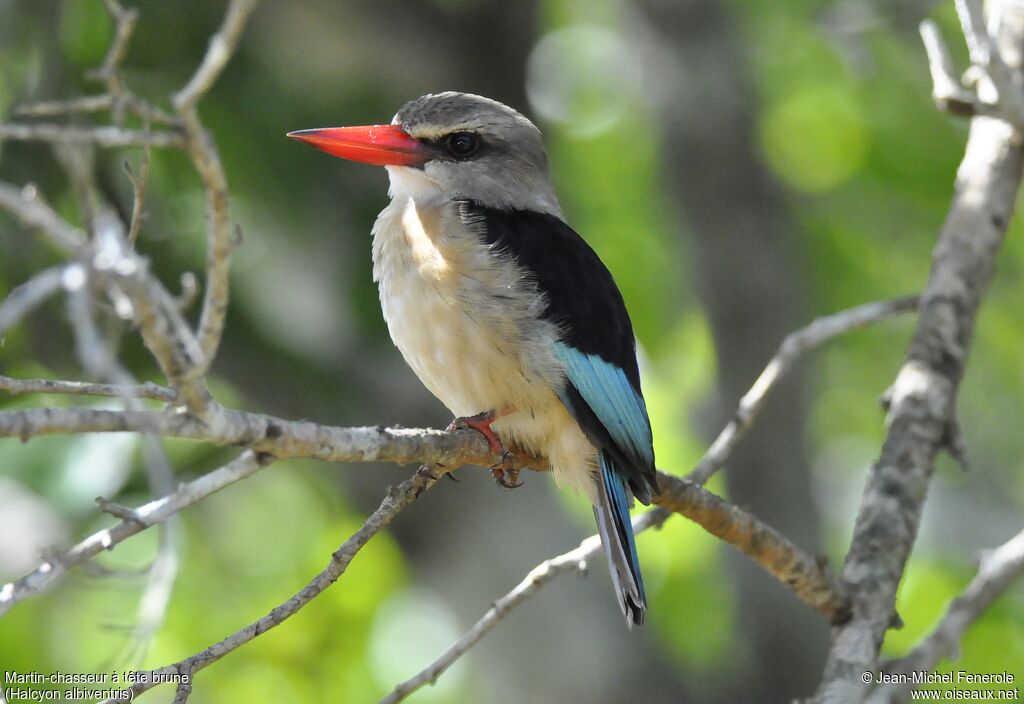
point(462, 144)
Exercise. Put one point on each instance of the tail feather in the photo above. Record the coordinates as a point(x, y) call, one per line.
point(616, 529)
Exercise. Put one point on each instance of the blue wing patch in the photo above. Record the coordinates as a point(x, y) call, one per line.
point(609, 394)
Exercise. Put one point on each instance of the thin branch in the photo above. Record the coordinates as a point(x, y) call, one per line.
point(203, 151)
point(157, 511)
point(57, 108)
point(992, 89)
point(806, 576)
point(25, 298)
point(923, 398)
point(83, 388)
point(573, 561)
point(124, 26)
point(817, 333)
point(104, 136)
point(998, 569)
point(139, 183)
point(972, 23)
point(28, 207)
point(222, 47)
point(397, 499)
point(947, 92)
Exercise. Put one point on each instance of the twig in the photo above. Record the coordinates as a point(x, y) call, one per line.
point(924, 394)
point(105, 136)
point(83, 388)
point(157, 511)
point(807, 576)
point(222, 47)
point(26, 297)
point(139, 194)
point(947, 92)
point(997, 570)
point(56, 108)
point(203, 151)
point(817, 333)
point(397, 499)
point(573, 561)
point(28, 207)
point(993, 90)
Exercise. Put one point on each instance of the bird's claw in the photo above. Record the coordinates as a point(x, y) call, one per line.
point(506, 478)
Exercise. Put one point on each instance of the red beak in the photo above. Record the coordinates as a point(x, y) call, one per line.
point(382, 145)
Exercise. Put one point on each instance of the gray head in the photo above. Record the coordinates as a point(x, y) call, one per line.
point(447, 146)
point(482, 150)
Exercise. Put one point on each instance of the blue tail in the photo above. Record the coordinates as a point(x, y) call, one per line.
point(616, 529)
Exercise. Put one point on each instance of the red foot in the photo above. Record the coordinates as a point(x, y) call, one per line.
point(481, 423)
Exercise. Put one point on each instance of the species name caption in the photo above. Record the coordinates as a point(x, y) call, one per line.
point(57, 686)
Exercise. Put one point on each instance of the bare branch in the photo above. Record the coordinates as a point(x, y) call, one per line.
point(282, 438)
point(998, 569)
point(947, 92)
point(808, 577)
point(28, 207)
point(810, 580)
point(203, 151)
point(157, 511)
point(139, 184)
point(104, 136)
point(57, 108)
point(124, 26)
point(992, 88)
point(397, 499)
point(573, 561)
point(222, 46)
point(817, 333)
point(29, 295)
point(83, 388)
point(924, 395)
point(972, 22)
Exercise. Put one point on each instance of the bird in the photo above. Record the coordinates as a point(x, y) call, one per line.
point(503, 311)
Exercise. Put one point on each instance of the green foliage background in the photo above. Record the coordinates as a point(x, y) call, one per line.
point(845, 122)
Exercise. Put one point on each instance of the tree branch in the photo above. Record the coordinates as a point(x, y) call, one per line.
point(817, 333)
point(808, 576)
point(397, 499)
point(26, 205)
point(921, 418)
point(83, 388)
point(573, 561)
point(246, 464)
point(203, 152)
point(29, 295)
point(104, 136)
point(998, 569)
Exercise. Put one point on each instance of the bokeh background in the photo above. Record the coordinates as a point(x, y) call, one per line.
point(740, 166)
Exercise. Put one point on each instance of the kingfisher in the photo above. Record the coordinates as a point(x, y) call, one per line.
point(503, 311)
